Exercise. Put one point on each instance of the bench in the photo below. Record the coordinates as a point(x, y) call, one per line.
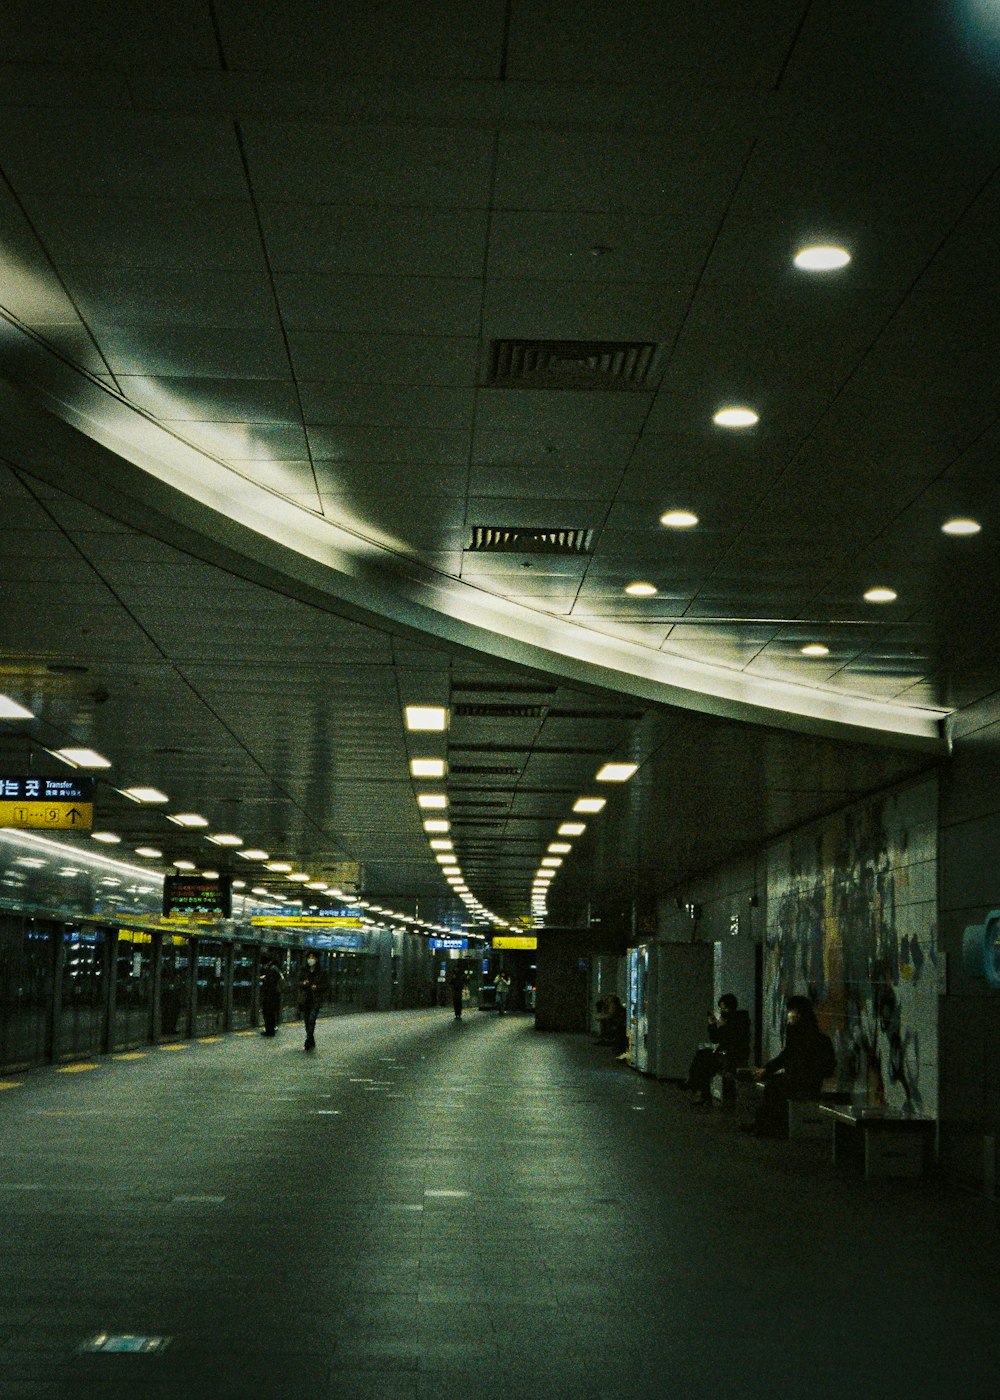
point(894, 1143)
point(804, 1120)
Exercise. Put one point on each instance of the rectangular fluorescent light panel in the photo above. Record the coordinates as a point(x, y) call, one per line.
point(572, 829)
point(224, 839)
point(10, 709)
point(616, 772)
point(432, 799)
point(589, 804)
point(426, 717)
point(437, 824)
point(144, 794)
point(186, 819)
point(427, 767)
point(81, 758)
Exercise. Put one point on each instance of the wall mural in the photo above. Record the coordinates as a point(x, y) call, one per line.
point(852, 922)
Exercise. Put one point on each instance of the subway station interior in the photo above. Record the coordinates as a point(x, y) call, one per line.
point(497, 490)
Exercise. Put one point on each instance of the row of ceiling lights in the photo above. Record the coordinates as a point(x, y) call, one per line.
point(823, 257)
point(550, 863)
point(151, 796)
point(434, 718)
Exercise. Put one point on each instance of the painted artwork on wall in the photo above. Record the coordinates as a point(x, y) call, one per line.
point(852, 922)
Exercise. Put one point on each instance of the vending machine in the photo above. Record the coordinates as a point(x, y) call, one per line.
point(670, 994)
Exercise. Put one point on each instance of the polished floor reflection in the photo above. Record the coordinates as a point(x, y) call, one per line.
point(427, 1208)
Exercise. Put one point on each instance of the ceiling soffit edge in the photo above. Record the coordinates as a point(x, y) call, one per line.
point(68, 429)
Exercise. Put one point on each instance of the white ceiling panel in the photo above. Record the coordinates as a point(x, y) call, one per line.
point(374, 241)
point(381, 305)
point(207, 234)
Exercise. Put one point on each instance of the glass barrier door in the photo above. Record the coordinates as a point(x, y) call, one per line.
point(83, 1004)
point(27, 964)
point(210, 998)
point(244, 967)
point(175, 987)
point(133, 989)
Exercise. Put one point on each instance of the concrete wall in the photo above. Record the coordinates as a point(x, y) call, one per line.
point(969, 890)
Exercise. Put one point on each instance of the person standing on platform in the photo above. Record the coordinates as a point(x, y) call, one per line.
point(270, 994)
point(312, 994)
point(458, 981)
point(502, 992)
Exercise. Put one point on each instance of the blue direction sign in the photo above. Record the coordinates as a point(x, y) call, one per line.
point(460, 943)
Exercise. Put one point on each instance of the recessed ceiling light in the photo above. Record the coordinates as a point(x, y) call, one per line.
point(10, 709)
point(427, 767)
point(209, 874)
point(280, 865)
point(259, 889)
point(108, 837)
point(571, 829)
point(734, 417)
point(815, 649)
point(317, 885)
point(225, 839)
point(81, 758)
point(880, 595)
point(679, 519)
point(445, 857)
point(616, 772)
point(183, 864)
point(441, 843)
point(960, 526)
point(559, 848)
point(299, 875)
point(144, 794)
point(437, 824)
point(186, 819)
point(253, 854)
point(589, 804)
point(150, 852)
point(821, 257)
point(426, 717)
point(431, 799)
point(552, 862)
point(239, 884)
point(640, 590)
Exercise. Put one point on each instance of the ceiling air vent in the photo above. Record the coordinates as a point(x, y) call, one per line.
point(517, 539)
point(474, 711)
point(613, 365)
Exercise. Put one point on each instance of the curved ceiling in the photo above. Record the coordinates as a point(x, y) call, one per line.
point(306, 311)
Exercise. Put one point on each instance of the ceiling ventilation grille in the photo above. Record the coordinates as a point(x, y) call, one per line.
point(516, 539)
point(609, 365)
point(486, 711)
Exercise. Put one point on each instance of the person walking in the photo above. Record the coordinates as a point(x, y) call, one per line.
point(312, 994)
point(271, 979)
point(502, 992)
point(457, 981)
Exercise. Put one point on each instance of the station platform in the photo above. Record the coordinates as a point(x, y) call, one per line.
point(426, 1209)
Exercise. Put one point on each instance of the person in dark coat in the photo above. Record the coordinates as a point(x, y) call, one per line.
point(312, 994)
point(798, 1071)
point(610, 1016)
point(729, 1051)
point(270, 994)
point(458, 981)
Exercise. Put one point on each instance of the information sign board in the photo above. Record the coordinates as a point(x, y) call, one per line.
point(186, 895)
point(459, 943)
point(50, 804)
point(504, 940)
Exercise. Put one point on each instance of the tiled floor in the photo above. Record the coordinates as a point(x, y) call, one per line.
point(435, 1210)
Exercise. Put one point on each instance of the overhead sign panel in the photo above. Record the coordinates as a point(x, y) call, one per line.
point(504, 940)
point(185, 896)
point(452, 943)
point(47, 804)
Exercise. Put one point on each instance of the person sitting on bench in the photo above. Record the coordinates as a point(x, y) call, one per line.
point(797, 1072)
point(729, 1033)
